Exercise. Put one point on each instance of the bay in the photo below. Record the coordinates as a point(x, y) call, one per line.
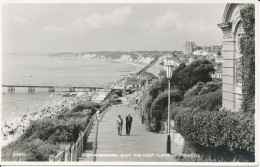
point(45, 70)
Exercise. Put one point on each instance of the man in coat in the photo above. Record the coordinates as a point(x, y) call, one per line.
point(129, 120)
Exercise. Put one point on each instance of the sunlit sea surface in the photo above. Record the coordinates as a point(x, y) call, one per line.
point(43, 70)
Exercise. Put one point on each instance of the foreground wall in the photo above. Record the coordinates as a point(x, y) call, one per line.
point(232, 28)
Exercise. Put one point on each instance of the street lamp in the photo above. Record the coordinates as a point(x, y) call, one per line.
point(169, 64)
point(143, 91)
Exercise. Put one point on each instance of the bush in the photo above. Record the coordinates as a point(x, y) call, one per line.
point(210, 87)
point(35, 150)
point(195, 90)
point(55, 131)
point(44, 137)
point(119, 93)
point(145, 104)
point(104, 106)
point(78, 107)
point(185, 77)
point(154, 90)
point(247, 45)
point(220, 130)
point(160, 103)
point(89, 105)
point(114, 96)
point(118, 100)
point(211, 101)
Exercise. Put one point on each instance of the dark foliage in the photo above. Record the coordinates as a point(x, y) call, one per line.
point(210, 101)
point(220, 130)
point(248, 59)
point(90, 105)
point(185, 77)
point(160, 103)
point(43, 137)
point(119, 93)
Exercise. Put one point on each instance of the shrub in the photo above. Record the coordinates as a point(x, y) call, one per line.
point(118, 100)
point(195, 90)
point(55, 131)
point(92, 105)
point(89, 105)
point(146, 103)
point(210, 87)
point(35, 150)
point(160, 103)
point(78, 107)
point(44, 137)
point(119, 93)
point(219, 130)
point(114, 96)
point(104, 106)
point(175, 109)
point(247, 44)
point(185, 77)
point(154, 90)
point(210, 101)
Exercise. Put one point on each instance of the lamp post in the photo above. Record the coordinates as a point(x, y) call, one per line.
point(169, 63)
point(143, 91)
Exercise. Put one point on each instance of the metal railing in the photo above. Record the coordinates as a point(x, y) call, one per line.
point(73, 151)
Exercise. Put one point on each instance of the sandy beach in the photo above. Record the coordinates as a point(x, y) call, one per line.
point(14, 127)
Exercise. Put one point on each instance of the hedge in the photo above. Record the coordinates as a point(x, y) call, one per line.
point(248, 59)
point(210, 101)
point(224, 130)
point(158, 107)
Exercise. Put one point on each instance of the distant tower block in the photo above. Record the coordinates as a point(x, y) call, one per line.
point(51, 89)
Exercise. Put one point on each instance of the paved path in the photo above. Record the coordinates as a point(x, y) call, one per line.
point(90, 144)
point(139, 146)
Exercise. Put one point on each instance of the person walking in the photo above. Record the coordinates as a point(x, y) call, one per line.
point(98, 115)
point(119, 122)
point(129, 120)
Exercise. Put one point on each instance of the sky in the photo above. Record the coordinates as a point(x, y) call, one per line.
point(53, 28)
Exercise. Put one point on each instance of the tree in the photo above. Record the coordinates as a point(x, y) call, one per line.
point(247, 46)
point(160, 103)
point(179, 78)
point(185, 77)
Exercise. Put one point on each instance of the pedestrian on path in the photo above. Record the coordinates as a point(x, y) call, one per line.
point(98, 115)
point(129, 120)
point(119, 122)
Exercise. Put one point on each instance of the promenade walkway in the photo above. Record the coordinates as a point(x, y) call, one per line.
point(141, 145)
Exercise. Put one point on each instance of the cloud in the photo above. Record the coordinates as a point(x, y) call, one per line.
point(119, 17)
point(169, 20)
point(176, 23)
point(196, 26)
point(19, 19)
point(52, 28)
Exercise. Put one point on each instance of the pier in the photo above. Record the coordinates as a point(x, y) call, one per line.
point(52, 88)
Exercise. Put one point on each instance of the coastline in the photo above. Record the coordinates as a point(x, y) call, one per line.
point(14, 127)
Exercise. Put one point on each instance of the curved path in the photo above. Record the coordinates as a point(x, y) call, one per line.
point(139, 146)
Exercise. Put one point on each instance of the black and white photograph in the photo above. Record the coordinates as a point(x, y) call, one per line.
point(143, 83)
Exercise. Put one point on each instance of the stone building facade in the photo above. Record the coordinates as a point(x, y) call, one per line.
point(189, 47)
point(232, 27)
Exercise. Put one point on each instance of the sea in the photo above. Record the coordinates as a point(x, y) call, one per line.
point(46, 70)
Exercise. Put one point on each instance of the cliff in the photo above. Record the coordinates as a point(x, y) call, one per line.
point(142, 57)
